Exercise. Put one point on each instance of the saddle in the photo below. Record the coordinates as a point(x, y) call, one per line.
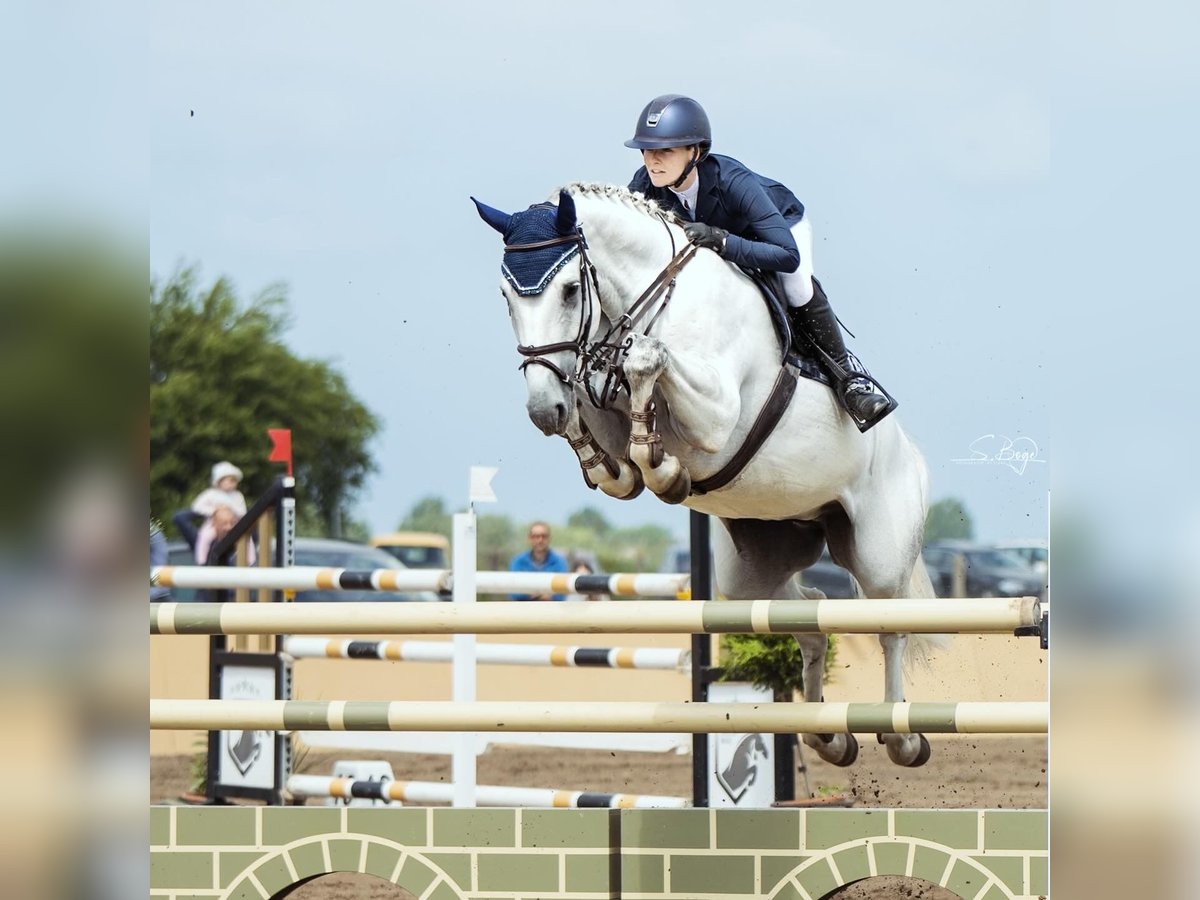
point(806, 364)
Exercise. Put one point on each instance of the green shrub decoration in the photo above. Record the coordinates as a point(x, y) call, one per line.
point(768, 661)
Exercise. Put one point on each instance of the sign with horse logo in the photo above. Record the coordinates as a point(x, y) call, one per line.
point(741, 766)
point(247, 757)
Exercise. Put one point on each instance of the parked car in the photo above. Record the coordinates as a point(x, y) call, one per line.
point(320, 552)
point(825, 575)
point(416, 549)
point(1036, 553)
point(989, 572)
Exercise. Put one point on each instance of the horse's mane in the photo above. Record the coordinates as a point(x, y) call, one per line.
point(618, 193)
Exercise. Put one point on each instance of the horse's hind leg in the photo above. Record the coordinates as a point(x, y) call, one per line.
point(758, 560)
point(881, 548)
point(909, 750)
point(663, 473)
point(839, 749)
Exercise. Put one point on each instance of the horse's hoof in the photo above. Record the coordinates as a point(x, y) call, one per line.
point(924, 752)
point(849, 752)
point(638, 487)
point(639, 484)
point(679, 489)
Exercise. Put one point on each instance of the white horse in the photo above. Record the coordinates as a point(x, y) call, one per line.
point(575, 277)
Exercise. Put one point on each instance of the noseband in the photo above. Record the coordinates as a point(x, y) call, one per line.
point(607, 354)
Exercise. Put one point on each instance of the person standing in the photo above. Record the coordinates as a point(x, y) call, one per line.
point(539, 558)
point(219, 524)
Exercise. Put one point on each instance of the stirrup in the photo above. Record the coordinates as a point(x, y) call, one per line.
point(857, 380)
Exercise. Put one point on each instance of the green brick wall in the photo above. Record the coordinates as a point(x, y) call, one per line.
point(452, 854)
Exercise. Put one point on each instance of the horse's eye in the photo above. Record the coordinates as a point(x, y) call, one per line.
point(571, 290)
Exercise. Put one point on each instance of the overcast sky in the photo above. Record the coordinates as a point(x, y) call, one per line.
point(334, 147)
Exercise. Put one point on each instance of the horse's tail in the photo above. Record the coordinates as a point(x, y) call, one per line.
point(921, 646)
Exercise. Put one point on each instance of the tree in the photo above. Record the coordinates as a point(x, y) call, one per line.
point(428, 514)
point(220, 376)
point(590, 518)
point(498, 540)
point(948, 519)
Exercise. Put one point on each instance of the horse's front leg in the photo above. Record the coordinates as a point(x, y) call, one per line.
point(663, 473)
point(611, 474)
point(704, 404)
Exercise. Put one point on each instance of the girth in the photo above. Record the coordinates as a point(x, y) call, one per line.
point(764, 425)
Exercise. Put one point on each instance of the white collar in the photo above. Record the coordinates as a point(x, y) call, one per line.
point(687, 198)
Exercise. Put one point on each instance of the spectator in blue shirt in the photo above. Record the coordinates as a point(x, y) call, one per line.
point(539, 558)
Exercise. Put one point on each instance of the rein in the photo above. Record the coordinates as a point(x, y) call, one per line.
point(607, 354)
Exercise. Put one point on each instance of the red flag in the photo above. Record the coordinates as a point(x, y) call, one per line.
point(281, 446)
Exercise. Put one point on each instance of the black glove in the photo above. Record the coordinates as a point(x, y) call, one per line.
point(706, 235)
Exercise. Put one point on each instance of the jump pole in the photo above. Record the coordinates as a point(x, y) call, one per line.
point(984, 717)
point(987, 615)
point(560, 656)
point(425, 792)
point(317, 578)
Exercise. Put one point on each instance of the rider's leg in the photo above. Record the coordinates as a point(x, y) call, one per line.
point(810, 313)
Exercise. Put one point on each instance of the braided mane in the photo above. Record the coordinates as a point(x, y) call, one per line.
point(620, 194)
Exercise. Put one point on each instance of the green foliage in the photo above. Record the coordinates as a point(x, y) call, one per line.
point(499, 538)
point(770, 661)
point(948, 519)
point(637, 549)
point(221, 376)
point(428, 514)
point(591, 519)
point(72, 370)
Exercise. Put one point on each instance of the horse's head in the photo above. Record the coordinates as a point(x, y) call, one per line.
point(547, 303)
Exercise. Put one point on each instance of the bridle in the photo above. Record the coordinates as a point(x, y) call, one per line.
point(607, 354)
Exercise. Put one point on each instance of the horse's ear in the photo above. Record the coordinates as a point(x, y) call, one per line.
point(566, 213)
point(495, 218)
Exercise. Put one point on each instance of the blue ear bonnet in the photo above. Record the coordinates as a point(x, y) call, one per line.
point(529, 271)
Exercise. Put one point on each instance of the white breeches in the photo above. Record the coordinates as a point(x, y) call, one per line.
point(798, 286)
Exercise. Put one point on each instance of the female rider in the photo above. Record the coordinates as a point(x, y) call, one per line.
point(748, 219)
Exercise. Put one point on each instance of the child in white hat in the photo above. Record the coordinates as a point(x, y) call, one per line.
point(224, 491)
point(223, 495)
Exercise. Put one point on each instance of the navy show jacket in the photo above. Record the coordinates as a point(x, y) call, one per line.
point(756, 211)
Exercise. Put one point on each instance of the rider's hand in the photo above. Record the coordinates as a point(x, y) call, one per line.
point(706, 235)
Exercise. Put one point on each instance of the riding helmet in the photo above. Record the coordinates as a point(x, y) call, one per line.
point(671, 120)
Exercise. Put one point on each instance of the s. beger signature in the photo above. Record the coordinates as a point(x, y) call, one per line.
point(999, 449)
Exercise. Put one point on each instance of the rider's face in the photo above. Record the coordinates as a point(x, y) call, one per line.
point(666, 165)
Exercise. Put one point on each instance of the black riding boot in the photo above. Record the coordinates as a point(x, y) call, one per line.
point(815, 320)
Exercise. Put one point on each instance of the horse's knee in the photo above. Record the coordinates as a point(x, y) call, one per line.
point(646, 359)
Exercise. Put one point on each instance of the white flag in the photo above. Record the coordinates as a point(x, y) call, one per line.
point(481, 484)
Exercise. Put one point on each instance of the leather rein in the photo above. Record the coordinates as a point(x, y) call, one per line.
point(606, 354)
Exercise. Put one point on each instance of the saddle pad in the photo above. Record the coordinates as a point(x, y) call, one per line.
point(806, 365)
